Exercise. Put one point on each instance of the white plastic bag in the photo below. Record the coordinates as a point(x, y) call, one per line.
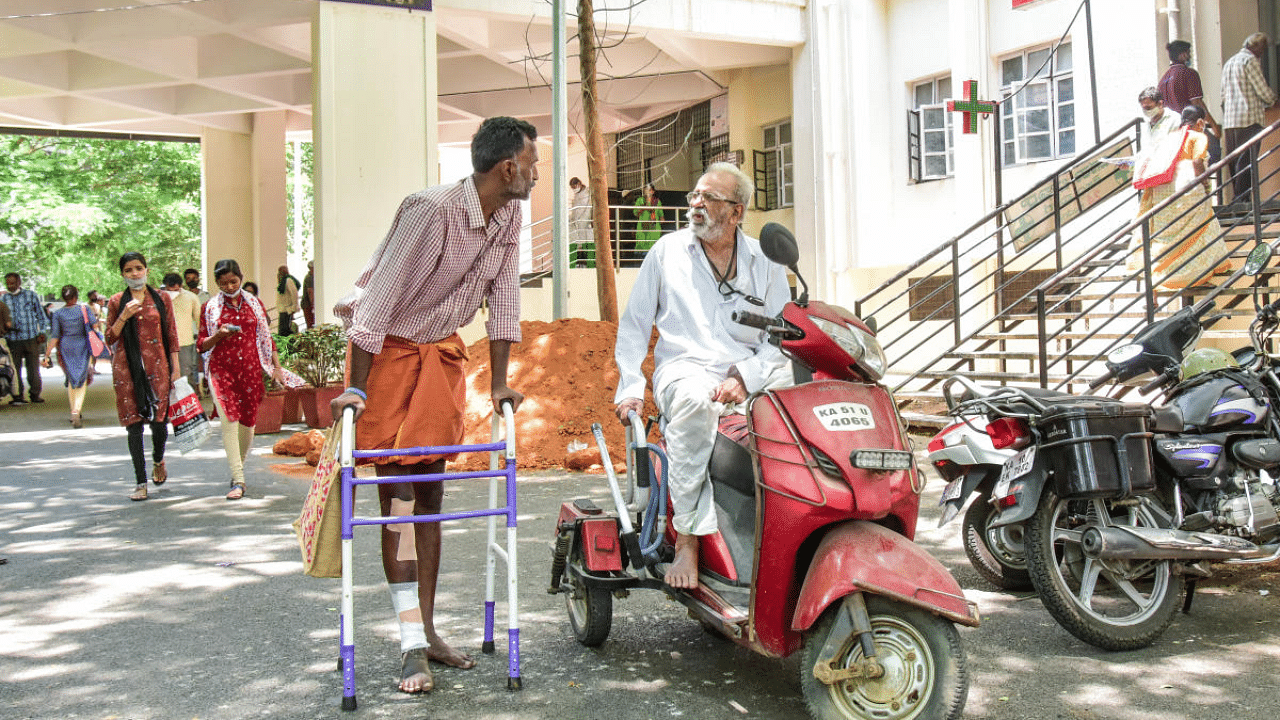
point(190, 426)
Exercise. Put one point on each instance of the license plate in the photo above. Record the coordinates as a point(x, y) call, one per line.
point(1014, 468)
point(951, 491)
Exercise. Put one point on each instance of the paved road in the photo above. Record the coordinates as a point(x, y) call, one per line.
point(188, 606)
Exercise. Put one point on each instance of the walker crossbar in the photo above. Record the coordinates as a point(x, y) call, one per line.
point(493, 550)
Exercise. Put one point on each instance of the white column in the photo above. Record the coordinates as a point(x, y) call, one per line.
point(269, 203)
point(374, 129)
point(226, 176)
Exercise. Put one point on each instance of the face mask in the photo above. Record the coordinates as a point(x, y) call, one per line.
point(234, 295)
point(1151, 114)
point(136, 284)
point(173, 294)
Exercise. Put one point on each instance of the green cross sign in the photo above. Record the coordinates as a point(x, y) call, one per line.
point(971, 106)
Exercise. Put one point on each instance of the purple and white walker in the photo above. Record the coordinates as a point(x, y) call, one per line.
point(501, 443)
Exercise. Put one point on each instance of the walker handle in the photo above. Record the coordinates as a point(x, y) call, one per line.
point(346, 441)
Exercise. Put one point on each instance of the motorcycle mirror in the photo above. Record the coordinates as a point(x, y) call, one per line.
point(779, 245)
point(1256, 260)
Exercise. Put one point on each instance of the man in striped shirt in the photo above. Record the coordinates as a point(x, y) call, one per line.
point(450, 249)
point(1245, 98)
point(30, 327)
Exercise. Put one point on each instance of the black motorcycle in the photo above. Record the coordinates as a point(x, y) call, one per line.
point(1123, 505)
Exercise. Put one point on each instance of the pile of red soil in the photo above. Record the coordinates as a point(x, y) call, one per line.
point(565, 370)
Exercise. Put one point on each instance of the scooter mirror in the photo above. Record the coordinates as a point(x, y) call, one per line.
point(1253, 264)
point(779, 245)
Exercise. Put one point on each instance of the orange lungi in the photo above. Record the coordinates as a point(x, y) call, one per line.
point(417, 396)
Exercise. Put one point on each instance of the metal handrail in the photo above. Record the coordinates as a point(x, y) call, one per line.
point(622, 225)
point(1090, 266)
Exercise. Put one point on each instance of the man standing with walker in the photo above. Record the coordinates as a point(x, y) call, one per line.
point(450, 249)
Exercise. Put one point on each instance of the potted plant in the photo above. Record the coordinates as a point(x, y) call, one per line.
point(318, 355)
point(292, 412)
point(271, 409)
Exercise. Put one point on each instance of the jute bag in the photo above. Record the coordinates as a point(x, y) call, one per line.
point(319, 527)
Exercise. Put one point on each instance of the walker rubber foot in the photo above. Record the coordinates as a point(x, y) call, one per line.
point(487, 647)
point(349, 703)
point(515, 684)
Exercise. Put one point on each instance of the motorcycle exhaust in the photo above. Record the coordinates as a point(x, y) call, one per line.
point(1143, 543)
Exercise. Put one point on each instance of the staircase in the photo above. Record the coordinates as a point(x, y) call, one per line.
point(1039, 290)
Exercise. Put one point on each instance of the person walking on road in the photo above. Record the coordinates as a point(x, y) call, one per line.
point(450, 248)
point(30, 328)
point(287, 289)
point(186, 315)
point(235, 341)
point(72, 324)
point(144, 366)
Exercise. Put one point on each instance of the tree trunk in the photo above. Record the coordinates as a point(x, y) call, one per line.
point(606, 289)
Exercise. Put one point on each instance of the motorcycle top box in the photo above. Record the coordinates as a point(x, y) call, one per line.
point(1098, 449)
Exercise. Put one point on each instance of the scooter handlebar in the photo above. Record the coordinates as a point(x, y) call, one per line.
point(1101, 379)
point(750, 319)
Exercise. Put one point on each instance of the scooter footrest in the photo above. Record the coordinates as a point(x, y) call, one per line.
point(585, 505)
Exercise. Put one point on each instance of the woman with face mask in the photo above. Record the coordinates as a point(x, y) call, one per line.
point(235, 342)
point(144, 365)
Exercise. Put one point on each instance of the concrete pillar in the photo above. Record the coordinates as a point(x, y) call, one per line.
point(269, 204)
point(227, 179)
point(374, 128)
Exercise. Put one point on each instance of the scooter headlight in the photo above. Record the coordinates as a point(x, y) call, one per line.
point(1124, 354)
point(861, 346)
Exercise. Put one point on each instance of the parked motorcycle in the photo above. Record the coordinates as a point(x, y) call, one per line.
point(1123, 504)
point(817, 497)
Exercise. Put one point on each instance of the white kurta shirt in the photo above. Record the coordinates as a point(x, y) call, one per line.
point(677, 291)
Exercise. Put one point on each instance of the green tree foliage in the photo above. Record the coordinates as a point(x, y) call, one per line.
point(299, 164)
point(70, 207)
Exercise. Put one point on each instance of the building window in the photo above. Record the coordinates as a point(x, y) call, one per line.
point(929, 133)
point(774, 169)
point(1039, 122)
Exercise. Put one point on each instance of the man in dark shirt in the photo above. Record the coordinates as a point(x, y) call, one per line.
point(1180, 86)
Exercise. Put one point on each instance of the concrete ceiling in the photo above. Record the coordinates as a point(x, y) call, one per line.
point(174, 67)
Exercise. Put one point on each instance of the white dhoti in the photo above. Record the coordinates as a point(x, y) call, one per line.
point(692, 417)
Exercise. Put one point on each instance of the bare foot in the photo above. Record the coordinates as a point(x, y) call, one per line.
point(683, 572)
point(440, 651)
point(415, 673)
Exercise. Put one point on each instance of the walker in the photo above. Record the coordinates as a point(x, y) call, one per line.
point(347, 456)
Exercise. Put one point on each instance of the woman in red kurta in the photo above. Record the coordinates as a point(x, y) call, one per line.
point(237, 347)
point(144, 365)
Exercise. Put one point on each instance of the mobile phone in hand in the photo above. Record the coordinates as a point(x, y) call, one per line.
point(232, 328)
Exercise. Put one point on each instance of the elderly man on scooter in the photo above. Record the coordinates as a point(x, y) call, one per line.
point(706, 365)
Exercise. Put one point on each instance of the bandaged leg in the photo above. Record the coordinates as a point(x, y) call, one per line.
point(404, 598)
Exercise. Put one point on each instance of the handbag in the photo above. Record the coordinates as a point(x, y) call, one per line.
point(190, 425)
point(319, 526)
point(97, 344)
point(1161, 164)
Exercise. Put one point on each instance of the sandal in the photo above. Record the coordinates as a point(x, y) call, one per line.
point(159, 474)
point(237, 492)
point(414, 662)
point(139, 492)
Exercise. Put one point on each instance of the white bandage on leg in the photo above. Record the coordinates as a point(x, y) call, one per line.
point(404, 598)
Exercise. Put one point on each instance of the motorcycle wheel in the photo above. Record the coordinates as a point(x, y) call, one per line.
point(925, 671)
point(998, 554)
point(1111, 604)
point(590, 611)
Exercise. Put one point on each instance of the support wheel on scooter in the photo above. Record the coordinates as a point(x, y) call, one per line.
point(925, 674)
point(590, 611)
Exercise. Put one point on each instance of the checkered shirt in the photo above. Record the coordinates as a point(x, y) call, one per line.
point(1245, 93)
point(29, 318)
point(437, 265)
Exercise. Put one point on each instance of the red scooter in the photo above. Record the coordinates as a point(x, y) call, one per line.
point(816, 495)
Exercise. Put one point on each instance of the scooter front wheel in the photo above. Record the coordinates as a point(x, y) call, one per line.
point(590, 611)
point(925, 673)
